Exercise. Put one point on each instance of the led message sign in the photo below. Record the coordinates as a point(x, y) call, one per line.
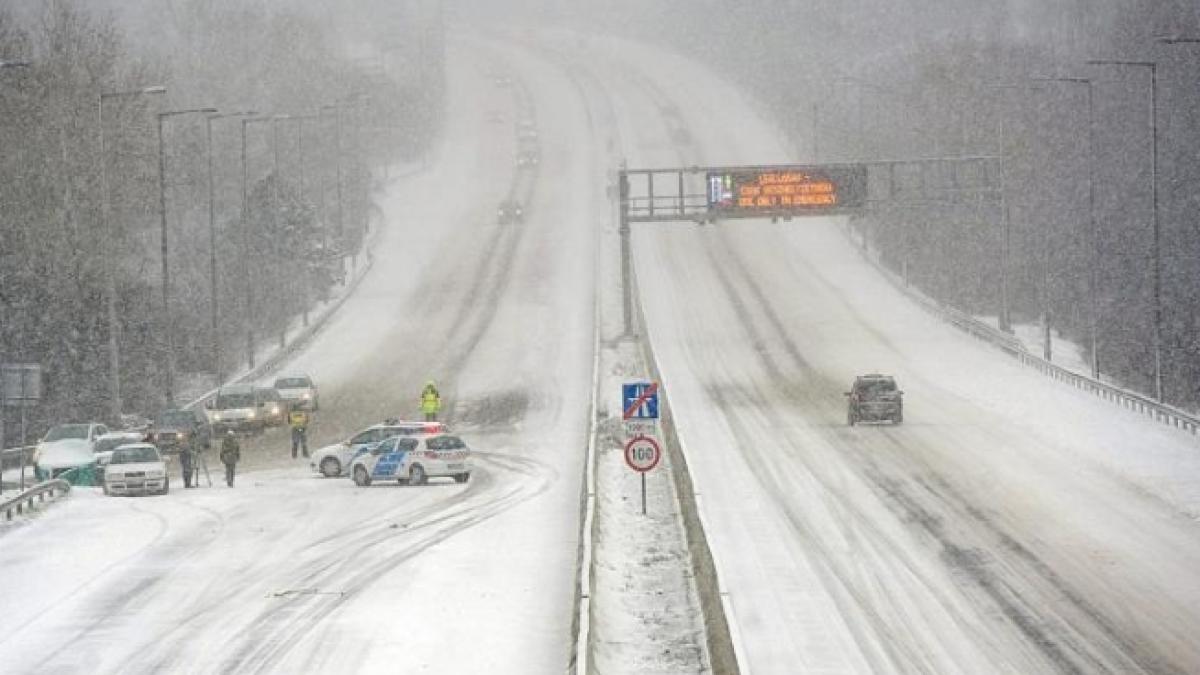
point(753, 192)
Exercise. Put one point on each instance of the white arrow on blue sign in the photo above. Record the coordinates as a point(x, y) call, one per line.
point(640, 400)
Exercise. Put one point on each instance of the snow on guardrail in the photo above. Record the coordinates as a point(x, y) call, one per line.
point(24, 501)
point(1130, 400)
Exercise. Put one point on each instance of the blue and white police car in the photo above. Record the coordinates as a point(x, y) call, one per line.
point(413, 460)
point(334, 460)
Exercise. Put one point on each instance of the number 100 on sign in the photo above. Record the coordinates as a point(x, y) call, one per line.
point(642, 454)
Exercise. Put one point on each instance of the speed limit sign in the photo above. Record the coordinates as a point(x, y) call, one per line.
point(642, 453)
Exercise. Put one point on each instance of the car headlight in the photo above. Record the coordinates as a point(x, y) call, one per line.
point(306, 396)
point(274, 410)
point(251, 414)
point(113, 475)
point(217, 417)
point(155, 474)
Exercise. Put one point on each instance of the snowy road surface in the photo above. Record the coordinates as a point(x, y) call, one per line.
point(1010, 525)
point(289, 573)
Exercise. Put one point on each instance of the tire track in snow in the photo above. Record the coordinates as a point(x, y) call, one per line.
point(279, 630)
point(1068, 651)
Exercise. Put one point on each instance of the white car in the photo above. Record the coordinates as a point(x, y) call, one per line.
point(334, 460)
point(102, 450)
point(298, 391)
point(65, 447)
point(136, 468)
point(413, 461)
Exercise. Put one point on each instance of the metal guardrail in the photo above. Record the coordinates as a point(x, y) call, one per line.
point(24, 501)
point(1129, 400)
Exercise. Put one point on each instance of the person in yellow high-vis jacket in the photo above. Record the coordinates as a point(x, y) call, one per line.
point(298, 420)
point(431, 401)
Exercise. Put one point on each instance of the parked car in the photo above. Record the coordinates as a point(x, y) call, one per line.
point(65, 447)
point(181, 428)
point(136, 468)
point(103, 449)
point(509, 212)
point(298, 391)
point(334, 460)
point(413, 461)
point(272, 406)
point(874, 398)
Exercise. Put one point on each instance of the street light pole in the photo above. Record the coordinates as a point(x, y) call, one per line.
point(110, 233)
point(3, 65)
point(214, 301)
point(1004, 320)
point(1094, 271)
point(1158, 313)
point(248, 286)
point(169, 384)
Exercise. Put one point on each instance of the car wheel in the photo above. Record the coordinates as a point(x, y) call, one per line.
point(899, 418)
point(104, 487)
point(462, 477)
point(850, 417)
point(361, 477)
point(416, 475)
point(331, 467)
point(166, 487)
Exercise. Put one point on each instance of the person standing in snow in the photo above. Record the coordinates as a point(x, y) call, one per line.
point(185, 462)
point(298, 420)
point(431, 401)
point(231, 453)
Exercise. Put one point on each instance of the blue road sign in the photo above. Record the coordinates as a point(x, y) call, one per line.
point(641, 400)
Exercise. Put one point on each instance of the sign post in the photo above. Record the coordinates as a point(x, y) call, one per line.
point(20, 386)
point(642, 454)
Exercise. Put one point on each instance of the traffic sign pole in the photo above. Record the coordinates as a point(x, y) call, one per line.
point(642, 454)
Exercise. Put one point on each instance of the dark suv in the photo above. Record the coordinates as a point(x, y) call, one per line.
point(875, 398)
point(175, 429)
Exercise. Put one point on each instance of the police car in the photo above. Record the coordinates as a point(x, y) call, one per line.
point(413, 460)
point(334, 460)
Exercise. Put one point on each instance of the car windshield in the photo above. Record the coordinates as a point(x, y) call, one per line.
point(876, 387)
point(268, 395)
point(174, 418)
point(235, 401)
point(292, 383)
point(65, 431)
point(134, 455)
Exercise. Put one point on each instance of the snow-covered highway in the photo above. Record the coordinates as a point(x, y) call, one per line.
point(290, 573)
point(1010, 525)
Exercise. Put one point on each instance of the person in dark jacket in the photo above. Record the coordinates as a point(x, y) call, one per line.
point(185, 463)
point(231, 453)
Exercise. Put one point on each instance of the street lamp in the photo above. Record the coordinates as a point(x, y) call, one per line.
point(7, 64)
point(1158, 378)
point(109, 229)
point(249, 287)
point(1092, 276)
point(169, 384)
point(212, 242)
point(1004, 320)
